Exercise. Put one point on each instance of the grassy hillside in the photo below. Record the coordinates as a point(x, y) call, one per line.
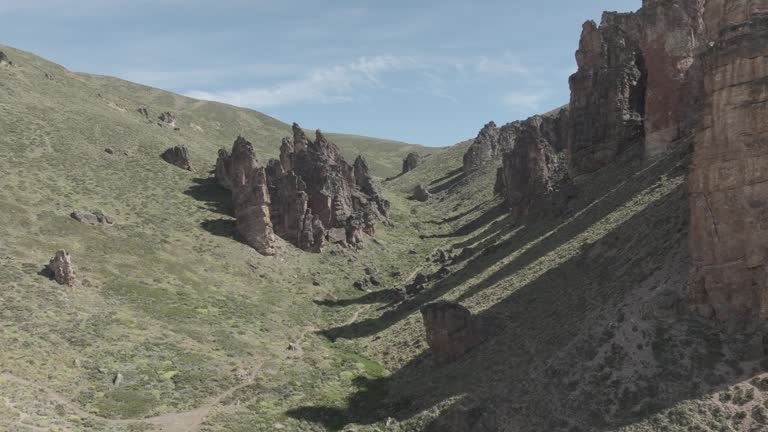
point(583, 310)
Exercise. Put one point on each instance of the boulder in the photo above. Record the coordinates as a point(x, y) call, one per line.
point(450, 331)
point(728, 183)
point(62, 269)
point(607, 92)
point(242, 173)
point(411, 161)
point(144, 112)
point(178, 156)
point(95, 218)
point(421, 193)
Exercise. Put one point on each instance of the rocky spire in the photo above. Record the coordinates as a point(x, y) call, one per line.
point(246, 178)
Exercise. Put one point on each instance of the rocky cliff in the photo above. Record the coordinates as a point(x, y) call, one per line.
point(537, 164)
point(607, 92)
point(491, 142)
point(728, 185)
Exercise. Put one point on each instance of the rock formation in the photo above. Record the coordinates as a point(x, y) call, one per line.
point(607, 92)
point(728, 185)
point(242, 173)
point(62, 269)
point(178, 156)
point(314, 195)
point(4, 60)
point(368, 187)
point(144, 112)
point(421, 193)
point(670, 33)
point(167, 118)
point(450, 331)
point(411, 161)
point(482, 149)
point(537, 165)
point(95, 218)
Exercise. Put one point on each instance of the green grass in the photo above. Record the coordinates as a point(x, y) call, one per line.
point(583, 312)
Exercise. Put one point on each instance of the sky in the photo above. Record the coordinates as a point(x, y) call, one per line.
point(425, 72)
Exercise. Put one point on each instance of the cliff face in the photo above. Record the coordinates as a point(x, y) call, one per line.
point(728, 186)
point(671, 32)
point(536, 166)
point(607, 92)
point(491, 143)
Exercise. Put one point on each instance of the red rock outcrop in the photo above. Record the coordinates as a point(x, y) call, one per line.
point(537, 165)
point(411, 161)
point(178, 156)
point(241, 173)
point(62, 269)
point(450, 330)
point(728, 185)
point(607, 92)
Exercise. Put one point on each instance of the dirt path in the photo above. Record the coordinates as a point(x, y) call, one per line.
point(187, 421)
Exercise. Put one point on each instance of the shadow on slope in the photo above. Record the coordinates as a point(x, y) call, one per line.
point(532, 238)
point(601, 341)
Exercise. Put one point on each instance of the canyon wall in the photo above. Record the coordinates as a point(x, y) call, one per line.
point(728, 185)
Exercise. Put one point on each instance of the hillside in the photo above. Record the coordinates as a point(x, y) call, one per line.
point(610, 256)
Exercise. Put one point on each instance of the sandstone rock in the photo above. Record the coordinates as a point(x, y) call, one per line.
point(421, 193)
point(62, 269)
point(411, 161)
point(178, 156)
point(728, 184)
point(167, 119)
point(537, 165)
point(607, 92)
point(246, 178)
point(450, 331)
point(95, 218)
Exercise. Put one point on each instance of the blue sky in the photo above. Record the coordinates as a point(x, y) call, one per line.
point(426, 72)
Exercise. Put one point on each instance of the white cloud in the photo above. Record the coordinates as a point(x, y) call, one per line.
point(322, 85)
point(526, 101)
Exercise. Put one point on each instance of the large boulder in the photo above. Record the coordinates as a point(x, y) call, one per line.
point(537, 166)
point(421, 193)
point(728, 184)
point(242, 173)
point(178, 156)
point(607, 92)
point(167, 118)
point(450, 330)
point(411, 161)
point(62, 269)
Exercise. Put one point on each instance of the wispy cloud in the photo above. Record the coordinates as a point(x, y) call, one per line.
point(525, 101)
point(322, 85)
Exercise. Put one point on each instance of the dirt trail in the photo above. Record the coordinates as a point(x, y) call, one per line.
point(187, 421)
